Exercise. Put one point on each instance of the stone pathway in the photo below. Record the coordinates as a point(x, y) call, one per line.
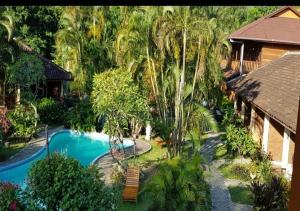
point(220, 195)
point(32, 147)
point(107, 162)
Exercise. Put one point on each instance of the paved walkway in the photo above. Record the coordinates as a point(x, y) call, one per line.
point(107, 162)
point(32, 147)
point(220, 195)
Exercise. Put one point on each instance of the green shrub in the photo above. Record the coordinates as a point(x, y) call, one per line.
point(8, 197)
point(263, 165)
point(220, 152)
point(229, 116)
point(50, 111)
point(23, 120)
point(5, 126)
point(239, 141)
point(81, 117)
point(178, 184)
point(61, 183)
point(272, 195)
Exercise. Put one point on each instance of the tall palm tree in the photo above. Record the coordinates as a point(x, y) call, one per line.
point(70, 40)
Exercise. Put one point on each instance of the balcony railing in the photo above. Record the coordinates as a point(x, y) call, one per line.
point(248, 66)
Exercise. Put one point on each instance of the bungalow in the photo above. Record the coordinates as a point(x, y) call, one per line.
point(53, 87)
point(265, 81)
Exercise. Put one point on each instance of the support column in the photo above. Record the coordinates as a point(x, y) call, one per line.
point(241, 59)
point(18, 97)
point(285, 148)
point(243, 111)
point(148, 132)
point(266, 133)
point(235, 105)
point(61, 88)
point(252, 118)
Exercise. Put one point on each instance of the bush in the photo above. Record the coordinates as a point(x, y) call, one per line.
point(272, 195)
point(229, 116)
point(5, 125)
point(23, 119)
point(263, 165)
point(239, 141)
point(61, 183)
point(8, 197)
point(178, 184)
point(81, 117)
point(50, 111)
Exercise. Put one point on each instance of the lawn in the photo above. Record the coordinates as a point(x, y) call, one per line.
point(156, 154)
point(241, 195)
point(236, 171)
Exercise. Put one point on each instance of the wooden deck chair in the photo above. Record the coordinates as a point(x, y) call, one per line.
point(131, 188)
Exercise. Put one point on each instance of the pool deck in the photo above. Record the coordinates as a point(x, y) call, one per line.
point(107, 162)
point(34, 145)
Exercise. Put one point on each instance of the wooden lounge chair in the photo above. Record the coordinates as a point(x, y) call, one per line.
point(131, 188)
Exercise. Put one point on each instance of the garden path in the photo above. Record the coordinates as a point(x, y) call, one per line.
point(220, 196)
point(34, 145)
point(107, 162)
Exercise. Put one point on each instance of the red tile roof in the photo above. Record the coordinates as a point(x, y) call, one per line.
point(271, 29)
point(274, 88)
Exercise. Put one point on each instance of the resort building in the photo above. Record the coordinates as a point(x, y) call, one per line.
point(53, 86)
point(263, 78)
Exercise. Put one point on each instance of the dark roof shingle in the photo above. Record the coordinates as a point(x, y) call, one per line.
point(275, 88)
point(271, 29)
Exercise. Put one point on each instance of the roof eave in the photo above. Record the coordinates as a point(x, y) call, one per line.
point(265, 40)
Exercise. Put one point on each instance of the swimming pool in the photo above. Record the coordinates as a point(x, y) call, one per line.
point(85, 147)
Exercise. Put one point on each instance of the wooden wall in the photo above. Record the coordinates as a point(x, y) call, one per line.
point(271, 52)
point(275, 143)
point(291, 147)
point(258, 125)
point(287, 14)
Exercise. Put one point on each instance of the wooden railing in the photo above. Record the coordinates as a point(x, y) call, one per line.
point(248, 66)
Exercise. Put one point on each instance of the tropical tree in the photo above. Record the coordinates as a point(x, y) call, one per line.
point(120, 100)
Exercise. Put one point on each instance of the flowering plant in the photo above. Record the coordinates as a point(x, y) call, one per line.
point(8, 197)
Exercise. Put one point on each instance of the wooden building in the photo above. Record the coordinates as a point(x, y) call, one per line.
point(263, 41)
point(263, 75)
point(53, 86)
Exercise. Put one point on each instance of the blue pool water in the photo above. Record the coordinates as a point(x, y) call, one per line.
point(85, 147)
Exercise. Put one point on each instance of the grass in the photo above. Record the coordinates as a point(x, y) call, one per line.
point(241, 195)
point(155, 154)
point(236, 171)
point(13, 148)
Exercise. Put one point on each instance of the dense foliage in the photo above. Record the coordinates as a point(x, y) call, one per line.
point(23, 120)
point(50, 111)
point(116, 96)
point(8, 197)
point(26, 72)
point(271, 195)
point(178, 185)
point(239, 141)
point(81, 117)
point(61, 183)
point(5, 125)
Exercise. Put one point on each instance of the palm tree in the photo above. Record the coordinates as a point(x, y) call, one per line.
point(70, 40)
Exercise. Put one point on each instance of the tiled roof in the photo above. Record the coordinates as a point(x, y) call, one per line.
point(271, 29)
point(274, 88)
point(52, 70)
